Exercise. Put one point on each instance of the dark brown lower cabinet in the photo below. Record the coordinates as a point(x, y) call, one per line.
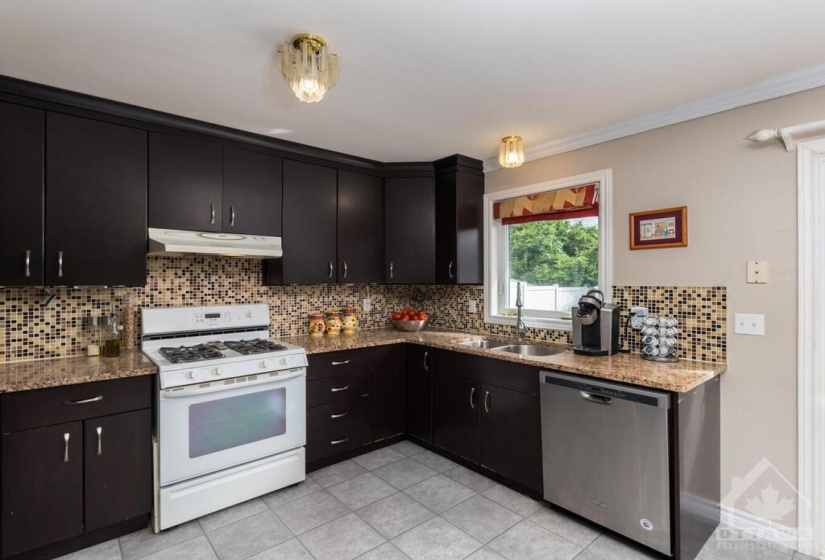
point(115, 445)
point(42, 492)
point(456, 419)
point(511, 435)
point(390, 409)
point(419, 397)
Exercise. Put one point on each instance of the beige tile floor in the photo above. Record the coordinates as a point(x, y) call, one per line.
point(398, 503)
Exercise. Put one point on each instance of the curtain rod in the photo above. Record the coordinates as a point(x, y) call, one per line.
point(787, 135)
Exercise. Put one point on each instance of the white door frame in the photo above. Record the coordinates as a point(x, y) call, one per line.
point(811, 347)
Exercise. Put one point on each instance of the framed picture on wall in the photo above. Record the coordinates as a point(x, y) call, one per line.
point(658, 229)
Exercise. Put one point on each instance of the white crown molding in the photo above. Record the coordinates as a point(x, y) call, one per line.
point(786, 84)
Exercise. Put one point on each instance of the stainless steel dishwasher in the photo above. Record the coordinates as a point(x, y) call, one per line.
point(606, 456)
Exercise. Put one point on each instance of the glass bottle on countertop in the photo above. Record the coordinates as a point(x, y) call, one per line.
point(111, 345)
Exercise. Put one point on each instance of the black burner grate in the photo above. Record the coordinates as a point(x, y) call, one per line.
point(197, 353)
point(255, 346)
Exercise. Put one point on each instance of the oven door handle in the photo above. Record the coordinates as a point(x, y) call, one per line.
point(169, 394)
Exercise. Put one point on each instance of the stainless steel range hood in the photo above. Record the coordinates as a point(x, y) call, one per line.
point(176, 242)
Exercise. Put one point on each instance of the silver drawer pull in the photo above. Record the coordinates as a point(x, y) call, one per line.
point(231, 216)
point(99, 431)
point(66, 447)
point(338, 389)
point(28, 263)
point(487, 402)
point(597, 399)
point(83, 401)
point(450, 270)
point(472, 401)
point(392, 267)
point(211, 213)
point(331, 269)
point(60, 264)
point(426, 367)
point(341, 363)
point(333, 416)
point(346, 269)
point(337, 441)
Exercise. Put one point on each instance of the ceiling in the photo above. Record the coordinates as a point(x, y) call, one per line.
point(418, 80)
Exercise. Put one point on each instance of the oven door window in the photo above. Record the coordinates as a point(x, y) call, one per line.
point(222, 424)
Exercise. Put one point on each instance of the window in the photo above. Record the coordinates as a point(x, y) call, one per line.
point(558, 251)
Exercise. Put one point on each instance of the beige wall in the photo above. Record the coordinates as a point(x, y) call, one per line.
point(741, 200)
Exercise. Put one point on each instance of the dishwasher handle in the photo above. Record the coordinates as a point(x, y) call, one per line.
point(601, 392)
point(597, 399)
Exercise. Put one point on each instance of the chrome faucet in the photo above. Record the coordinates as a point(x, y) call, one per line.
point(521, 328)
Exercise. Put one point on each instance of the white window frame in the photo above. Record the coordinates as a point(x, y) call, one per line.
point(495, 234)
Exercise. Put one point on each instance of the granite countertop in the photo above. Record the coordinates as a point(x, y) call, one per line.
point(39, 374)
point(679, 377)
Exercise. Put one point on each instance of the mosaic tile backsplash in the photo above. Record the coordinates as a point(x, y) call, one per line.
point(29, 331)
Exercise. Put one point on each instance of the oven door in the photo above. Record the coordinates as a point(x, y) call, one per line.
point(212, 426)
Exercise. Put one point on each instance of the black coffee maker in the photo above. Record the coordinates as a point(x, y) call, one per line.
point(595, 325)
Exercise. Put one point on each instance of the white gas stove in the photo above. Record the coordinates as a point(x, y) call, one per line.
point(231, 408)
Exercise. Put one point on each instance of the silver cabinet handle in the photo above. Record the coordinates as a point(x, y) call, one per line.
point(450, 270)
point(337, 441)
point(345, 269)
point(60, 264)
point(28, 263)
point(338, 389)
point(472, 394)
point(341, 363)
point(99, 431)
point(211, 213)
point(66, 447)
point(426, 367)
point(597, 399)
point(334, 416)
point(83, 401)
point(231, 216)
point(487, 401)
point(392, 266)
point(331, 269)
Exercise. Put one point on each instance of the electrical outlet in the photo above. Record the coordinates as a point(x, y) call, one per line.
point(473, 308)
point(637, 317)
point(367, 305)
point(749, 323)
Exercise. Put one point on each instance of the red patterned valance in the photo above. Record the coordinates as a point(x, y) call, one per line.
point(562, 204)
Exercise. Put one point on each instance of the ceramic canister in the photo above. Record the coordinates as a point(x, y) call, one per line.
point(349, 320)
point(333, 323)
point(316, 324)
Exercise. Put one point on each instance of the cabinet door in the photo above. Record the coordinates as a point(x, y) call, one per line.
point(456, 418)
point(42, 475)
point(21, 195)
point(409, 226)
point(118, 468)
point(511, 435)
point(419, 392)
point(185, 183)
point(310, 224)
point(251, 193)
point(95, 203)
point(459, 228)
point(360, 228)
point(389, 391)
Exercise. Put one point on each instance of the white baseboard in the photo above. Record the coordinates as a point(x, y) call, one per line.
point(762, 529)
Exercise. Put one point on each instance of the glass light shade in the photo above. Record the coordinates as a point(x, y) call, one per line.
point(511, 152)
point(308, 66)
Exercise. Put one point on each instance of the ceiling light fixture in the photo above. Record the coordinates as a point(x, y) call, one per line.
point(511, 152)
point(309, 67)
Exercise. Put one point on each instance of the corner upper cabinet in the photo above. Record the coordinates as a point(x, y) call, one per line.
point(185, 183)
point(459, 223)
point(409, 230)
point(309, 227)
point(21, 195)
point(252, 193)
point(96, 188)
point(360, 228)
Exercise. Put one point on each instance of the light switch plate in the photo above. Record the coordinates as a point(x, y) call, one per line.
point(367, 305)
point(757, 272)
point(473, 308)
point(749, 323)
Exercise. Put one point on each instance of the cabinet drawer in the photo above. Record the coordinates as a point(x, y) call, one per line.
point(337, 441)
point(338, 388)
point(331, 364)
point(44, 407)
point(330, 417)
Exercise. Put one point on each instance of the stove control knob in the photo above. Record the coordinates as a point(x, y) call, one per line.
point(264, 365)
point(217, 371)
point(191, 375)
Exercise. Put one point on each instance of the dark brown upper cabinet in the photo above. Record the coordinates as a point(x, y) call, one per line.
point(360, 228)
point(309, 227)
point(185, 183)
point(252, 193)
point(409, 230)
point(21, 195)
point(96, 188)
point(459, 220)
